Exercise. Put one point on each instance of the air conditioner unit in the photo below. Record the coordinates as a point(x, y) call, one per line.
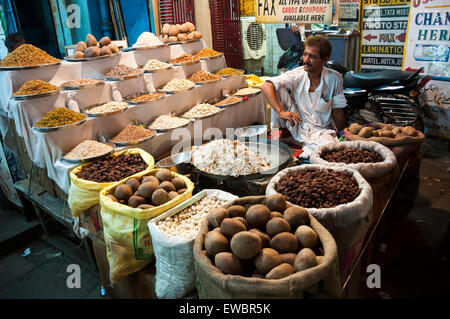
point(253, 38)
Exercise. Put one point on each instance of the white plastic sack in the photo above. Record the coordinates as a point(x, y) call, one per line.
point(348, 223)
point(367, 170)
point(175, 273)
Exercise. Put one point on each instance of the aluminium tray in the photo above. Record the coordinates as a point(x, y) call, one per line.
point(72, 59)
point(27, 67)
point(59, 128)
point(67, 87)
point(92, 158)
point(34, 96)
point(104, 113)
point(126, 99)
point(130, 143)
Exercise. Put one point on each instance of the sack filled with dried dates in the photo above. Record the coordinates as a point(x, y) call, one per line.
point(371, 159)
point(339, 198)
point(87, 180)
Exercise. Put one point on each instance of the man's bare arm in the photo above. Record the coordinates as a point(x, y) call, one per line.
point(269, 91)
point(339, 118)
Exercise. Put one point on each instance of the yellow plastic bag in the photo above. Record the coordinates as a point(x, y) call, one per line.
point(84, 194)
point(127, 238)
point(253, 80)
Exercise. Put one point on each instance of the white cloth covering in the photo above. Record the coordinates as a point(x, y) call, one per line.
point(45, 149)
point(315, 109)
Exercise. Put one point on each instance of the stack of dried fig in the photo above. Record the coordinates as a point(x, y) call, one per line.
point(382, 130)
point(268, 240)
point(150, 190)
point(179, 32)
point(91, 48)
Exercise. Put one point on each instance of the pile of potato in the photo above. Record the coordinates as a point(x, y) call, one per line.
point(265, 240)
point(91, 48)
point(151, 191)
point(382, 130)
point(179, 32)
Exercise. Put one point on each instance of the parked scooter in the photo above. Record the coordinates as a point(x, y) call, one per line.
point(390, 96)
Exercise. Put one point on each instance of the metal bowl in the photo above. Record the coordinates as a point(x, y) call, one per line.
point(208, 82)
point(66, 86)
point(34, 96)
point(92, 158)
point(148, 47)
point(130, 77)
point(27, 67)
point(104, 113)
point(58, 128)
point(179, 163)
point(157, 70)
point(127, 99)
point(216, 100)
point(279, 156)
point(130, 143)
point(176, 91)
point(251, 132)
point(211, 57)
point(185, 63)
point(72, 59)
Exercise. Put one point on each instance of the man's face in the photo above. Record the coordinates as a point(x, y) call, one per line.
point(311, 59)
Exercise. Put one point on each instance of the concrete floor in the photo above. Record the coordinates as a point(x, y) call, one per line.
point(414, 259)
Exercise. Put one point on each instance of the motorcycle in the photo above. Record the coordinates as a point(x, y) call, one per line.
point(390, 96)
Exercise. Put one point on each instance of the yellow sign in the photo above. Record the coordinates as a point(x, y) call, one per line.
point(288, 11)
point(247, 8)
point(385, 2)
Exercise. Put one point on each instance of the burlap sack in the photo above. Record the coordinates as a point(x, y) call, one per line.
point(381, 176)
point(347, 223)
point(321, 281)
point(387, 141)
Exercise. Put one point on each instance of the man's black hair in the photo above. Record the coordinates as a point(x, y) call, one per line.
point(14, 40)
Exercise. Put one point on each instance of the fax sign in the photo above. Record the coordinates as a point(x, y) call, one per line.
point(268, 8)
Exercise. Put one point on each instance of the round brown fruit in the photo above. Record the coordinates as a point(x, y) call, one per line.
point(147, 189)
point(181, 191)
point(133, 183)
point(229, 227)
point(265, 239)
point(245, 245)
point(277, 225)
point(164, 175)
point(179, 183)
point(236, 211)
point(228, 263)
point(288, 258)
point(167, 186)
point(135, 201)
point(150, 178)
point(173, 195)
point(280, 271)
point(216, 216)
point(296, 216)
point(306, 236)
point(258, 215)
point(123, 192)
point(242, 220)
point(284, 243)
point(305, 259)
point(276, 202)
point(160, 197)
point(276, 214)
point(216, 243)
point(267, 259)
point(145, 206)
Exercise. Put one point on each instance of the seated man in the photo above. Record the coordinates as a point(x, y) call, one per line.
point(309, 100)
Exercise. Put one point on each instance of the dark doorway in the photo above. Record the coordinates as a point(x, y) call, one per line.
point(35, 22)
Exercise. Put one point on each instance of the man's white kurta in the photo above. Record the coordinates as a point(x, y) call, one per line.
point(315, 109)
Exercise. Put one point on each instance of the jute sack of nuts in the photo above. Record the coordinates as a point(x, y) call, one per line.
point(175, 273)
point(381, 176)
point(127, 238)
point(84, 194)
point(348, 223)
point(321, 281)
point(387, 141)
